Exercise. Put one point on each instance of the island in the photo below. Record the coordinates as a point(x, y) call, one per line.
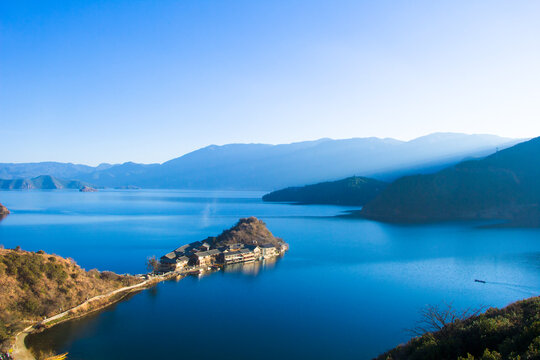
point(353, 191)
point(87, 189)
point(249, 240)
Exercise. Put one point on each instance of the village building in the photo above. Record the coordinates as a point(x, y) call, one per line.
point(234, 247)
point(247, 255)
point(204, 258)
point(204, 254)
point(172, 262)
point(269, 250)
point(205, 246)
point(230, 257)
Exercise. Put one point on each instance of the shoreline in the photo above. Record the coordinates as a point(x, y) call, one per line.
point(22, 352)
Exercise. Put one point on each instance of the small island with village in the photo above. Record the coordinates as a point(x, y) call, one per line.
point(249, 240)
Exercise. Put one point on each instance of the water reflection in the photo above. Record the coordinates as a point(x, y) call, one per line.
point(252, 268)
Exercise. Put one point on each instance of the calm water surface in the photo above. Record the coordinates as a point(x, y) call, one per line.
point(346, 289)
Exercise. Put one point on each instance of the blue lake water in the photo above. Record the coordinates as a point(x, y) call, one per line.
point(346, 289)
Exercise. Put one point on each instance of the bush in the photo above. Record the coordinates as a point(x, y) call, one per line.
point(509, 333)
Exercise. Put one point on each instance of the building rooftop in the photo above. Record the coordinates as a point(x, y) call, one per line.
point(202, 254)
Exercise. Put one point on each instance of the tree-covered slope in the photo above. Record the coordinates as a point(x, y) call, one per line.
point(502, 186)
point(509, 333)
point(350, 191)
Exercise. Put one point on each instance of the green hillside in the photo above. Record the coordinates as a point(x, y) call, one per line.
point(502, 186)
point(509, 333)
point(350, 191)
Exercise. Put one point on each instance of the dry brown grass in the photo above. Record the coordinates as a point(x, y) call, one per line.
point(38, 285)
point(248, 231)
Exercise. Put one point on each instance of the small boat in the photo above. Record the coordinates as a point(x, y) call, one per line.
point(479, 281)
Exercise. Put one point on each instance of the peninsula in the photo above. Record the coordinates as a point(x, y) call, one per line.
point(248, 240)
point(40, 290)
point(503, 186)
point(353, 191)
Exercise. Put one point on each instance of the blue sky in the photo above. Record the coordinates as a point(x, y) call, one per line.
point(146, 81)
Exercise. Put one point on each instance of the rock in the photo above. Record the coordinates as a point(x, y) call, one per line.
point(3, 211)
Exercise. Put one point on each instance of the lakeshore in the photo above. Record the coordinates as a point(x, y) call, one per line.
point(246, 242)
point(21, 352)
point(314, 301)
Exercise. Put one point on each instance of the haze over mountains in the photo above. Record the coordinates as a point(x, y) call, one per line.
point(270, 167)
point(41, 182)
point(502, 186)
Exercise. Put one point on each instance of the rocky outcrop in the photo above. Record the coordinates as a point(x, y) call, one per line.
point(3, 211)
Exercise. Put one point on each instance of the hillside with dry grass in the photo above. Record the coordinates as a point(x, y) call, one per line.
point(36, 285)
point(247, 231)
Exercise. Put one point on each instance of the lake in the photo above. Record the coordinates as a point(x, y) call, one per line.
point(347, 288)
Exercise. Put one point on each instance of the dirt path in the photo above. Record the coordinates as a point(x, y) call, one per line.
point(21, 352)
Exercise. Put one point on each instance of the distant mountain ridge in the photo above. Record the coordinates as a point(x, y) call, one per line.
point(505, 186)
point(355, 191)
point(269, 167)
point(41, 182)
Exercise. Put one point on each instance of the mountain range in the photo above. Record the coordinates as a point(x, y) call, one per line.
point(41, 182)
point(270, 167)
point(503, 186)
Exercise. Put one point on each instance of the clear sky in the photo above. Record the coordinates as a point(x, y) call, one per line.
point(147, 81)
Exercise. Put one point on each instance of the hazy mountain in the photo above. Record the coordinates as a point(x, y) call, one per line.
point(268, 167)
point(56, 169)
point(127, 174)
point(502, 186)
point(41, 182)
point(350, 191)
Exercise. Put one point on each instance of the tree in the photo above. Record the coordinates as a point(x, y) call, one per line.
point(152, 264)
point(434, 317)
